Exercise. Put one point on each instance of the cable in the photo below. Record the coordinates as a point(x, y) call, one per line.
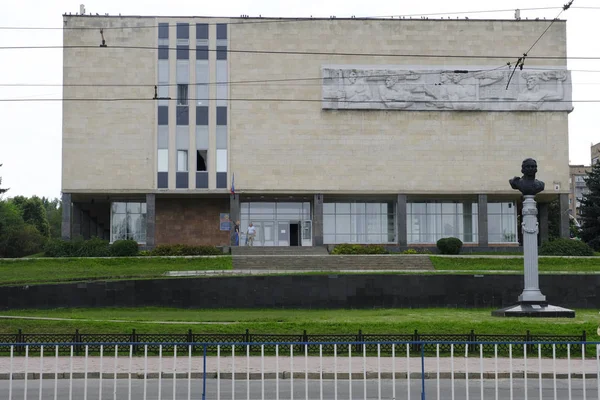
point(191, 49)
point(262, 20)
point(289, 100)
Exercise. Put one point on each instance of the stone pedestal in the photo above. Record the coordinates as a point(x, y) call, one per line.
point(531, 302)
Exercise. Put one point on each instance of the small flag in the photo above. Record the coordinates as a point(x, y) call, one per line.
point(232, 185)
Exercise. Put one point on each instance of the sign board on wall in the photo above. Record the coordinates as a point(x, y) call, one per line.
point(224, 223)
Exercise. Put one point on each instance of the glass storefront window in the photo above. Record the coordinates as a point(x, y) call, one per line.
point(427, 222)
point(358, 223)
point(502, 222)
point(128, 221)
point(270, 219)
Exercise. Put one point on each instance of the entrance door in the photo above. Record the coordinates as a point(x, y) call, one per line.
point(306, 233)
point(268, 234)
point(283, 233)
point(294, 234)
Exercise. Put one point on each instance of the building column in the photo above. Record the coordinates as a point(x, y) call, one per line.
point(85, 224)
point(234, 216)
point(563, 215)
point(100, 231)
point(401, 220)
point(543, 221)
point(150, 219)
point(76, 221)
point(93, 227)
point(67, 208)
point(317, 220)
point(482, 220)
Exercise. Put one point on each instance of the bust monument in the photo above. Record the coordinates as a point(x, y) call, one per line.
point(527, 184)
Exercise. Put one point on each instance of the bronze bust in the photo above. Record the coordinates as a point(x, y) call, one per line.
point(527, 184)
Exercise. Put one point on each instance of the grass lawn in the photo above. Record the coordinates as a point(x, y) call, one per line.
point(546, 264)
point(51, 270)
point(282, 321)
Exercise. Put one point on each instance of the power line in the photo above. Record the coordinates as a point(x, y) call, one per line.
point(289, 52)
point(263, 20)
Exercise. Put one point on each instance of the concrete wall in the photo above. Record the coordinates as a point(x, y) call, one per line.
point(191, 221)
point(288, 145)
point(109, 145)
point(304, 291)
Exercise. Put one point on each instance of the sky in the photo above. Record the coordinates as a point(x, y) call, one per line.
point(30, 133)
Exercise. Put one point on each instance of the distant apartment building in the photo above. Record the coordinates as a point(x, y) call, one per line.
point(595, 153)
point(577, 186)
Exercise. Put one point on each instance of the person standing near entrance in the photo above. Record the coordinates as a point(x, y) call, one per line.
point(251, 234)
point(236, 232)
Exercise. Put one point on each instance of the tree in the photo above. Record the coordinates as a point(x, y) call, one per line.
point(54, 214)
point(2, 190)
point(590, 209)
point(33, 213)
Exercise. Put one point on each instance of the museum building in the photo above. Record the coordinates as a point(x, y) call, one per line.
point(318, 131)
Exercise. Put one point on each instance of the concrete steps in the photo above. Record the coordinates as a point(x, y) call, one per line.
point(278, 251)
point(332, 262)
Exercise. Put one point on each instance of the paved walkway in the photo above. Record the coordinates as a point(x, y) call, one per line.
point(285, 365)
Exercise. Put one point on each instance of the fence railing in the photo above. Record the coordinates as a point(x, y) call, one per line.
point(453, 369)
point(210, 341)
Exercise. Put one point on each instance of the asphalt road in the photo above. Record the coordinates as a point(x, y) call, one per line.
point(299, 387)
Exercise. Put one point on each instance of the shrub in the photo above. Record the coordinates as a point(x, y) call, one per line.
point(21, 241)
point(566, 247)
point(347, 248)
point(410, 251)
point(124, 248)
point(185, 250)
point(95, 247)
point(449, 245)
point(59, 248)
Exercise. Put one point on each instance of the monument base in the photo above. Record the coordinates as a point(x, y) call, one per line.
point(534, 309)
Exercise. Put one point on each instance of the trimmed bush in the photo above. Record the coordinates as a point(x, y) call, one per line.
point(347, 248)
point(59, 248)
point(124, 248)
point(566, 247)
point(449, 245)
point(185, 250)
point(95, 247)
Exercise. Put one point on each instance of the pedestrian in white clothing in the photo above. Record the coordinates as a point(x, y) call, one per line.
point(251, 234)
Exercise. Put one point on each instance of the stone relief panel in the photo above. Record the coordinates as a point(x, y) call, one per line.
point(469, 89)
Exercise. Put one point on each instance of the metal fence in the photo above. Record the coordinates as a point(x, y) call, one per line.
point(301, 370)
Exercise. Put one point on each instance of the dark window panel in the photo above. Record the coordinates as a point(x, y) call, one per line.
point(163, 180)
point(163, 30)
point(202, 180)
point(201, 52)
point(221, 115)
point(183, 115)
point(183, 53)
point(221, 52)
point(221, 31)
point(201, 31)
point(163, 115)
point(163, 52)
point(221, 180)
point(181, 180)
point(201, 115)
point(183, 31)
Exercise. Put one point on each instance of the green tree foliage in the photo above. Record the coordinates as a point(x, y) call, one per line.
point(590, 209)
point(34, 213)
point(2, 190)
point(54, 215)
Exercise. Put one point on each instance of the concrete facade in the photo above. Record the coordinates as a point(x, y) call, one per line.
point(279, 140)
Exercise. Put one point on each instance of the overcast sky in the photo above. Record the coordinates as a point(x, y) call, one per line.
point(30, 136)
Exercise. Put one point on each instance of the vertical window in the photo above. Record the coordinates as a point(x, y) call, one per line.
point(128, 221)
point(427, 222)
point(221, 160)
point(182, 95)
point(201, 160)
point(502, 222)
point(358, 223)
point(163, 160)
point(182, 160)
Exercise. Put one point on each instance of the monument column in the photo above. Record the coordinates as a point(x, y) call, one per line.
point(401, 220)
point(563, 218)
point(482, 220)
point(531, 292)
point(317, 220)
point(67, 209)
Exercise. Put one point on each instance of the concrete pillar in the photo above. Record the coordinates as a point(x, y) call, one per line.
point(93, 227)
point(85, 224)
point(543, 220)
point(564, 215)
point(234, 216)
point(317, 220)
point(76, 221)
point(100, 231)
point(67, 209)
point(150, 220)
point(482, 220)
point(401, 220)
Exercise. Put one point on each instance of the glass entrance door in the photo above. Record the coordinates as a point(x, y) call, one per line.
point(283, 233)
point(306, 233)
